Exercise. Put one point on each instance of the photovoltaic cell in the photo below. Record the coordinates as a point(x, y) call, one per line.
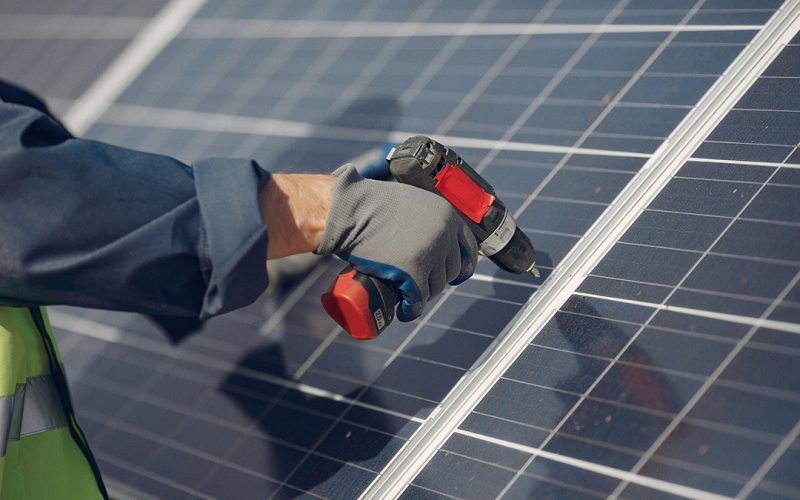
point(255, 407)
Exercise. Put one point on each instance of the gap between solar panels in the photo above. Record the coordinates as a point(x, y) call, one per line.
point(598, 240)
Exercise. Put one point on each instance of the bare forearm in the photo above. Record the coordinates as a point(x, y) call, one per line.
point(295, 208)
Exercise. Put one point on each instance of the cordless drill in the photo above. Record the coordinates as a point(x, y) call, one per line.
point(363, 305)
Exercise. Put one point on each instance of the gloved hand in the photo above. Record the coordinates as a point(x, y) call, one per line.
point(398, 233)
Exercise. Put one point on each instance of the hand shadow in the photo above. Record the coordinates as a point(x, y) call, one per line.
point(623, 412)
point(343, 439)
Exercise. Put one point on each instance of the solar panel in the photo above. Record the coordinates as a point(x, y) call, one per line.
point(275, 401)
point(619, 379)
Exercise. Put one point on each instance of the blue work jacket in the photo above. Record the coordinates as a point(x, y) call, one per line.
point(90, 224)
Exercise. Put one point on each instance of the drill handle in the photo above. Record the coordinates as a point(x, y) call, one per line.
point(361, 304)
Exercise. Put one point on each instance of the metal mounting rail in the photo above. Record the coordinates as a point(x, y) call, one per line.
point(589, 250)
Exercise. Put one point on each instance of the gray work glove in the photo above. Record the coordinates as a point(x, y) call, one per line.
point(398, 233)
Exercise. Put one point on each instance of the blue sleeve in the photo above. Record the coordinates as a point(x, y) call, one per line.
point(89, 224)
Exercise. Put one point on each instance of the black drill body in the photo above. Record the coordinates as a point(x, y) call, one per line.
point(417, 162)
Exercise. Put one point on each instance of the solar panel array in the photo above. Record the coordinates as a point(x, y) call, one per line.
point(275, 401)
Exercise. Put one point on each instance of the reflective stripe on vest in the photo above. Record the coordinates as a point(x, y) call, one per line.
point(33, 408)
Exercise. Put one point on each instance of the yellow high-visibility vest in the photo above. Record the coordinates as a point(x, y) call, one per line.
point(43, 452)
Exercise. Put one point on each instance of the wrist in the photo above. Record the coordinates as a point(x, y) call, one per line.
point(295, 208)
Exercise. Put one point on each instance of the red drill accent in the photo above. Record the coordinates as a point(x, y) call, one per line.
point(348, 304)
point(463, 193)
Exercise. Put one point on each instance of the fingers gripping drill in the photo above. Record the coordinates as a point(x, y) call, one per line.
point(363, 305)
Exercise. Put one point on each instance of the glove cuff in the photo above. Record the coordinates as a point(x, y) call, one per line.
point(341, 213)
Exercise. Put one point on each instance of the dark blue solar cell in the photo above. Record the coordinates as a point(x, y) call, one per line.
point(789, 176)
point(709, 447)
point(641, 263)
point(611, 142)
point(436, 344)
point(768, 337)
point(125, 445)
point(156, 488)
point(500, 114)
point(698, 59)
point(98, 398)
point(563, 117)
point(744, 152)
point(414, 492)
point(485, 451)
point(556, 137)
point(739, 276)
point(696, 324)
point(541, 57)
point(775, 203)
point(761, 127)
point(313, 476)
point(683, 5)
point(787, 63)
point(359, 446)
point(672, 230)
point(536, 487)
point(293, 425)
point(614, 58)
point(627, 164)
point(419, 378)
point(556, 369)
point(752, 17)
point(227, 481)
point(761, 239)
point(594, 186)
point(785, 469)
point(713, 301)
point(560, 216)
point(593, 336)
point(615, 425)
point(747, 410)
point(475, 315)
point(369, 364)
point(513, 178)
point(654, 122)
point(526, 404)
point(180, 467)
point(594, 87)
point(681, 473)
point(606, 309)
point(738, 36)
point(740, 4)
point(725, 171)
point(514, 293)
point(645, 388)
point(611, 287)
point(703, 197)
point(392, 401)
point(210, 437)
point(674, 351)
point(596, 452)
point(462, 477)
point(765, 368)
point(501, 428)
point(524, 86)
point(568, 476)
point(659, 89)
point(772, 93)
